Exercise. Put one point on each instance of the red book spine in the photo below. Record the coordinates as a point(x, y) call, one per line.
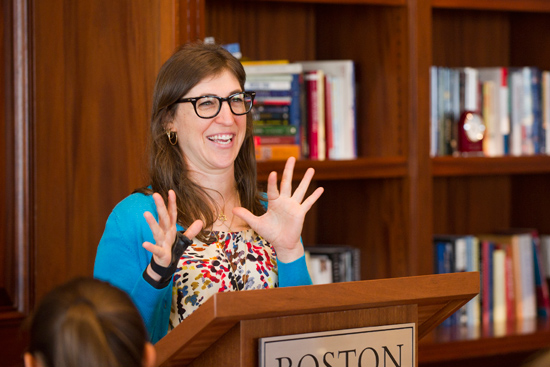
point(510, 292)
point(276, 139)
point(312, 116)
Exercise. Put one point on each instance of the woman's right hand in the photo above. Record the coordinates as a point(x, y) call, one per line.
point(164, 231)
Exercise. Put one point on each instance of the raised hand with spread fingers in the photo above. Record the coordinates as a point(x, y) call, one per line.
point(283, 221)
point(164, 231)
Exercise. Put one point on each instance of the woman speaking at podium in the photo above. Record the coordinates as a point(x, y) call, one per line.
point(201, 226)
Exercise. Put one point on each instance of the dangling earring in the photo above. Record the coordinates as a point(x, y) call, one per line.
point(172, 137)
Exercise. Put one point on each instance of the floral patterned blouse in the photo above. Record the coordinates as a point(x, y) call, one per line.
point(237, 261)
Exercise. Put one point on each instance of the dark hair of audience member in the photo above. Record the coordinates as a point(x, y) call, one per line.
point(87, 323)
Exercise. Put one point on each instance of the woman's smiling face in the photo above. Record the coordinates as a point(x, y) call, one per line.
point(210, 144)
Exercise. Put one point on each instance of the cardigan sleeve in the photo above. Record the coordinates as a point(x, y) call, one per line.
point(294, 273)
point(121, 260)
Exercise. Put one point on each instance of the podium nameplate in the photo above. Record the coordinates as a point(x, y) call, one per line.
point(389, 345)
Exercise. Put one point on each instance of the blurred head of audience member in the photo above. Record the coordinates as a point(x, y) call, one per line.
point(88, 323)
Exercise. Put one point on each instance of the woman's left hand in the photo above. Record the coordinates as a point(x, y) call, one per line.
point(282, 224)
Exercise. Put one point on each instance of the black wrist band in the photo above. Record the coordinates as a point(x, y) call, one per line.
point(154, 283)
point(180, 245)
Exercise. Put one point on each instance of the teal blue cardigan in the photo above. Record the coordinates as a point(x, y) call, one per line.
point(121, 259)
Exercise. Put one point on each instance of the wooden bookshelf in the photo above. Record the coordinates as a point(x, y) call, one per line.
point(395, 192)
point(479, 195)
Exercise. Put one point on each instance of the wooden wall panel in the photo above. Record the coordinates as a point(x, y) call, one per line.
point(16, 197)
point(6, 153)
point(77, 83)
point(95, 67)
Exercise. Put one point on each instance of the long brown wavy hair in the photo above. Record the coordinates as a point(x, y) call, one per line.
point(187, 67)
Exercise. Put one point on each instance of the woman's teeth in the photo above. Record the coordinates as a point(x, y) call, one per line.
point(221, 139)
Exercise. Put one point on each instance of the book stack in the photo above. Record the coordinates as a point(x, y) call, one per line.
point(456, 253)
point(303, 109)
point(333, 263)
point(514, 104)
point(513, 279)
point(330, 85)
point(278, 108)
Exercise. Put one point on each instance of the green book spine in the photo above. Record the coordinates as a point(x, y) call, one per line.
point(284, 130)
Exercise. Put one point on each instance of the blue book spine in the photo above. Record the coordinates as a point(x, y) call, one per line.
point(443, 265)
point(539, 134)
point(506, 144)
point(273, 93)
point(295, 109)
point(488, 274)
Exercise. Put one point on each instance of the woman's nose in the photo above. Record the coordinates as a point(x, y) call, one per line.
point(225, 115)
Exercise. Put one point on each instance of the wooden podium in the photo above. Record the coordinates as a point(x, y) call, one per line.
point(225, 330)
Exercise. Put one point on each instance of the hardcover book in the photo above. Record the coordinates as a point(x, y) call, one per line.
point(315, 94)
point(340, 106)
point(345, 261)
point(279, 98)
point(496, 117)
point(277, 152)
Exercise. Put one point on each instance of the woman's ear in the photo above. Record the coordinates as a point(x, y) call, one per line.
point(31, 361)
point(149, 355)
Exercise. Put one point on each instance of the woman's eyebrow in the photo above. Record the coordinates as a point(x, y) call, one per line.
point(216, 95)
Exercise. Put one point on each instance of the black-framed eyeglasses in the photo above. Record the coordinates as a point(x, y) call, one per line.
point(207, 107)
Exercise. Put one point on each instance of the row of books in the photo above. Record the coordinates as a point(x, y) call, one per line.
point(513, 103)
point(333, 263)
point(303, 109)
point(513, 266)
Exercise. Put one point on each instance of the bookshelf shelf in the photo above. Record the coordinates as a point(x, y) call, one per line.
point(500, 5)
point(446, 344)
point(370, 2)
point(390, 167)
point(481, 166)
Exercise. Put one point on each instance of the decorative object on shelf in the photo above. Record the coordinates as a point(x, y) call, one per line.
point(471, 132)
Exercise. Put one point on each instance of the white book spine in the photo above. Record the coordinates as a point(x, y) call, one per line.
point(516, 108)
point(545, 253)
point(499, 286)
point(529, 296)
